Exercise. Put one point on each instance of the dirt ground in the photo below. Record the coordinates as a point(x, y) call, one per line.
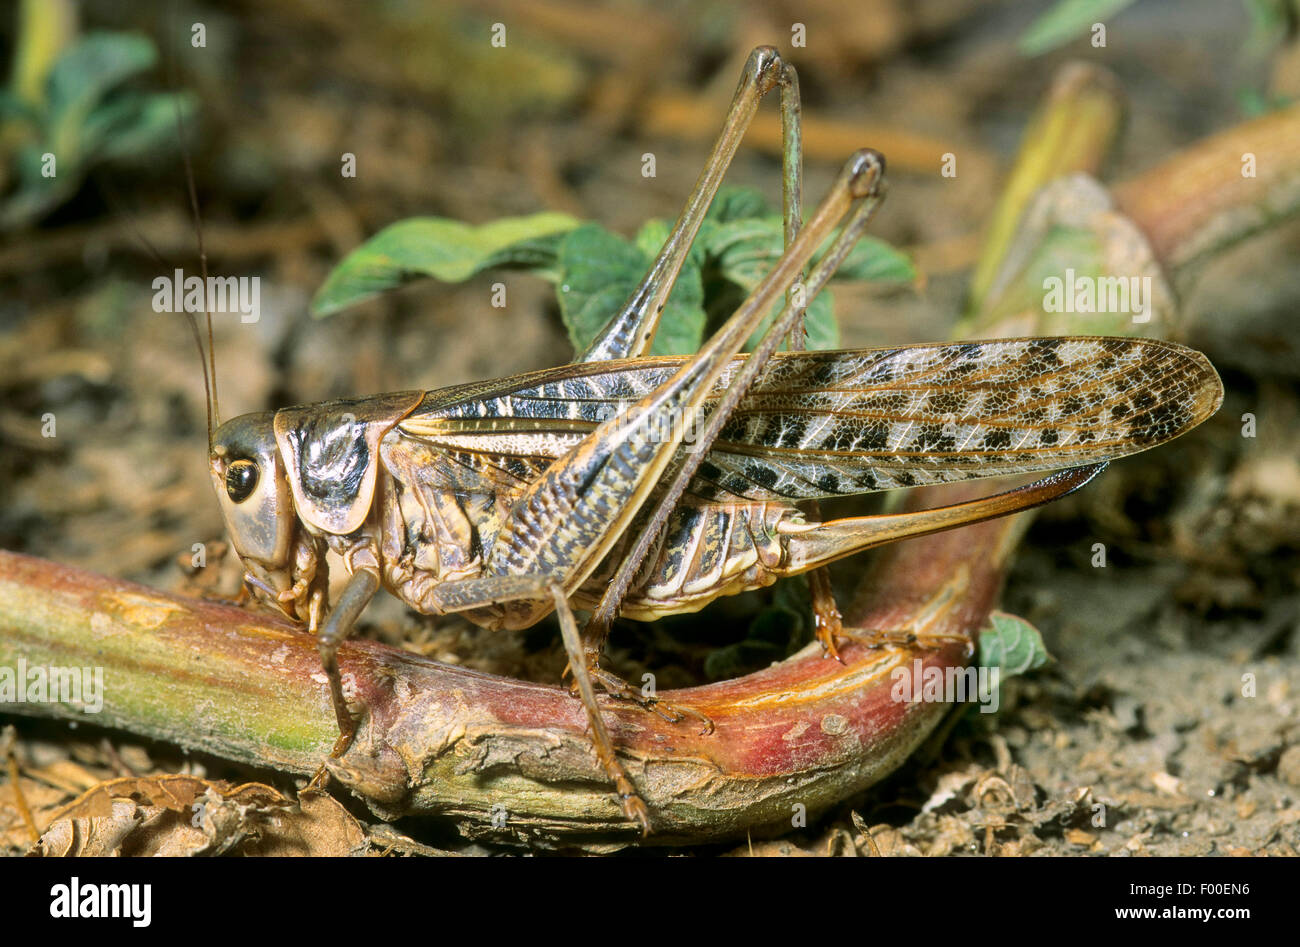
point(1169, 722)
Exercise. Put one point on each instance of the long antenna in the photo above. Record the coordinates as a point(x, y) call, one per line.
point(119, 207)
point(208, 363)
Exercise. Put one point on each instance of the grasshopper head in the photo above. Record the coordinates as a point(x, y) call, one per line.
point(249, 478)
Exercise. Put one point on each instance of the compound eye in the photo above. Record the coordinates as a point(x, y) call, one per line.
point(241, 480)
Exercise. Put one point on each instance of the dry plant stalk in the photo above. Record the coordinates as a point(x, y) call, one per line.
point(1219, 190)
point(506, 758)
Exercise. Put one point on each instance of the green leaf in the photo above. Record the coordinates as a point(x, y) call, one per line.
point(93, 66)
point(1066, 21)
point(36, 194)
point(83, 76)
point(876, 261)
point(1012, 645)
point(599, 271)
point(731, 204)
point(650, 238)
point(595, 279)
point(131, 126)
point(84, 117)
point(444, 249)
point(14, 109)
point(737, 203)
point(823, 332)
point(821, 329)
point(747, 249)
point(596, 271)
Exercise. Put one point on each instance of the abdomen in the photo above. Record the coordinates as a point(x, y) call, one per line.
point(707, 551)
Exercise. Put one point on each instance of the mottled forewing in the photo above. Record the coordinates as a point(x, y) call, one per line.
point(820, 424)
point(829, 424)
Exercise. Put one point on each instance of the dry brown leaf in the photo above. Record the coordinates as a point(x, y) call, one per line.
point(96, 837)
point(176, 815)
point(892, 843)
point(14, 833)
point(71, 777)
point(1080, 837)
point(319, 826)
point(176, 792)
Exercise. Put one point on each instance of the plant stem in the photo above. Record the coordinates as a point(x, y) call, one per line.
point(1201, 200)
point(446, 740)
point(1074, 129)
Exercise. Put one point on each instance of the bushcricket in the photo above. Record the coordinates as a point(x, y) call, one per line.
point(647, 486)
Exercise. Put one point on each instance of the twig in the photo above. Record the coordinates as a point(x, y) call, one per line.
point(15, 775)
point(505, 757)
point(1220, 190)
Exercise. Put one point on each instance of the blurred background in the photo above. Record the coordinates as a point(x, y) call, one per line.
point(1202, 536)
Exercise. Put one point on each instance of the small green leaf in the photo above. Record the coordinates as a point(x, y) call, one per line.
point(130, 126)
point(878, 262)
point(1066, 21)
point(14, 109)
point(595, 279)
point(36, 193)
point(93, 66)
point(650, 238)
point(81, 78)
point(1012, 645)
point(747, 249)
point(821, 329)
point(599, 271)
point(731, 205)
point(737, 203)
point(823, 332)
point(447, 250)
